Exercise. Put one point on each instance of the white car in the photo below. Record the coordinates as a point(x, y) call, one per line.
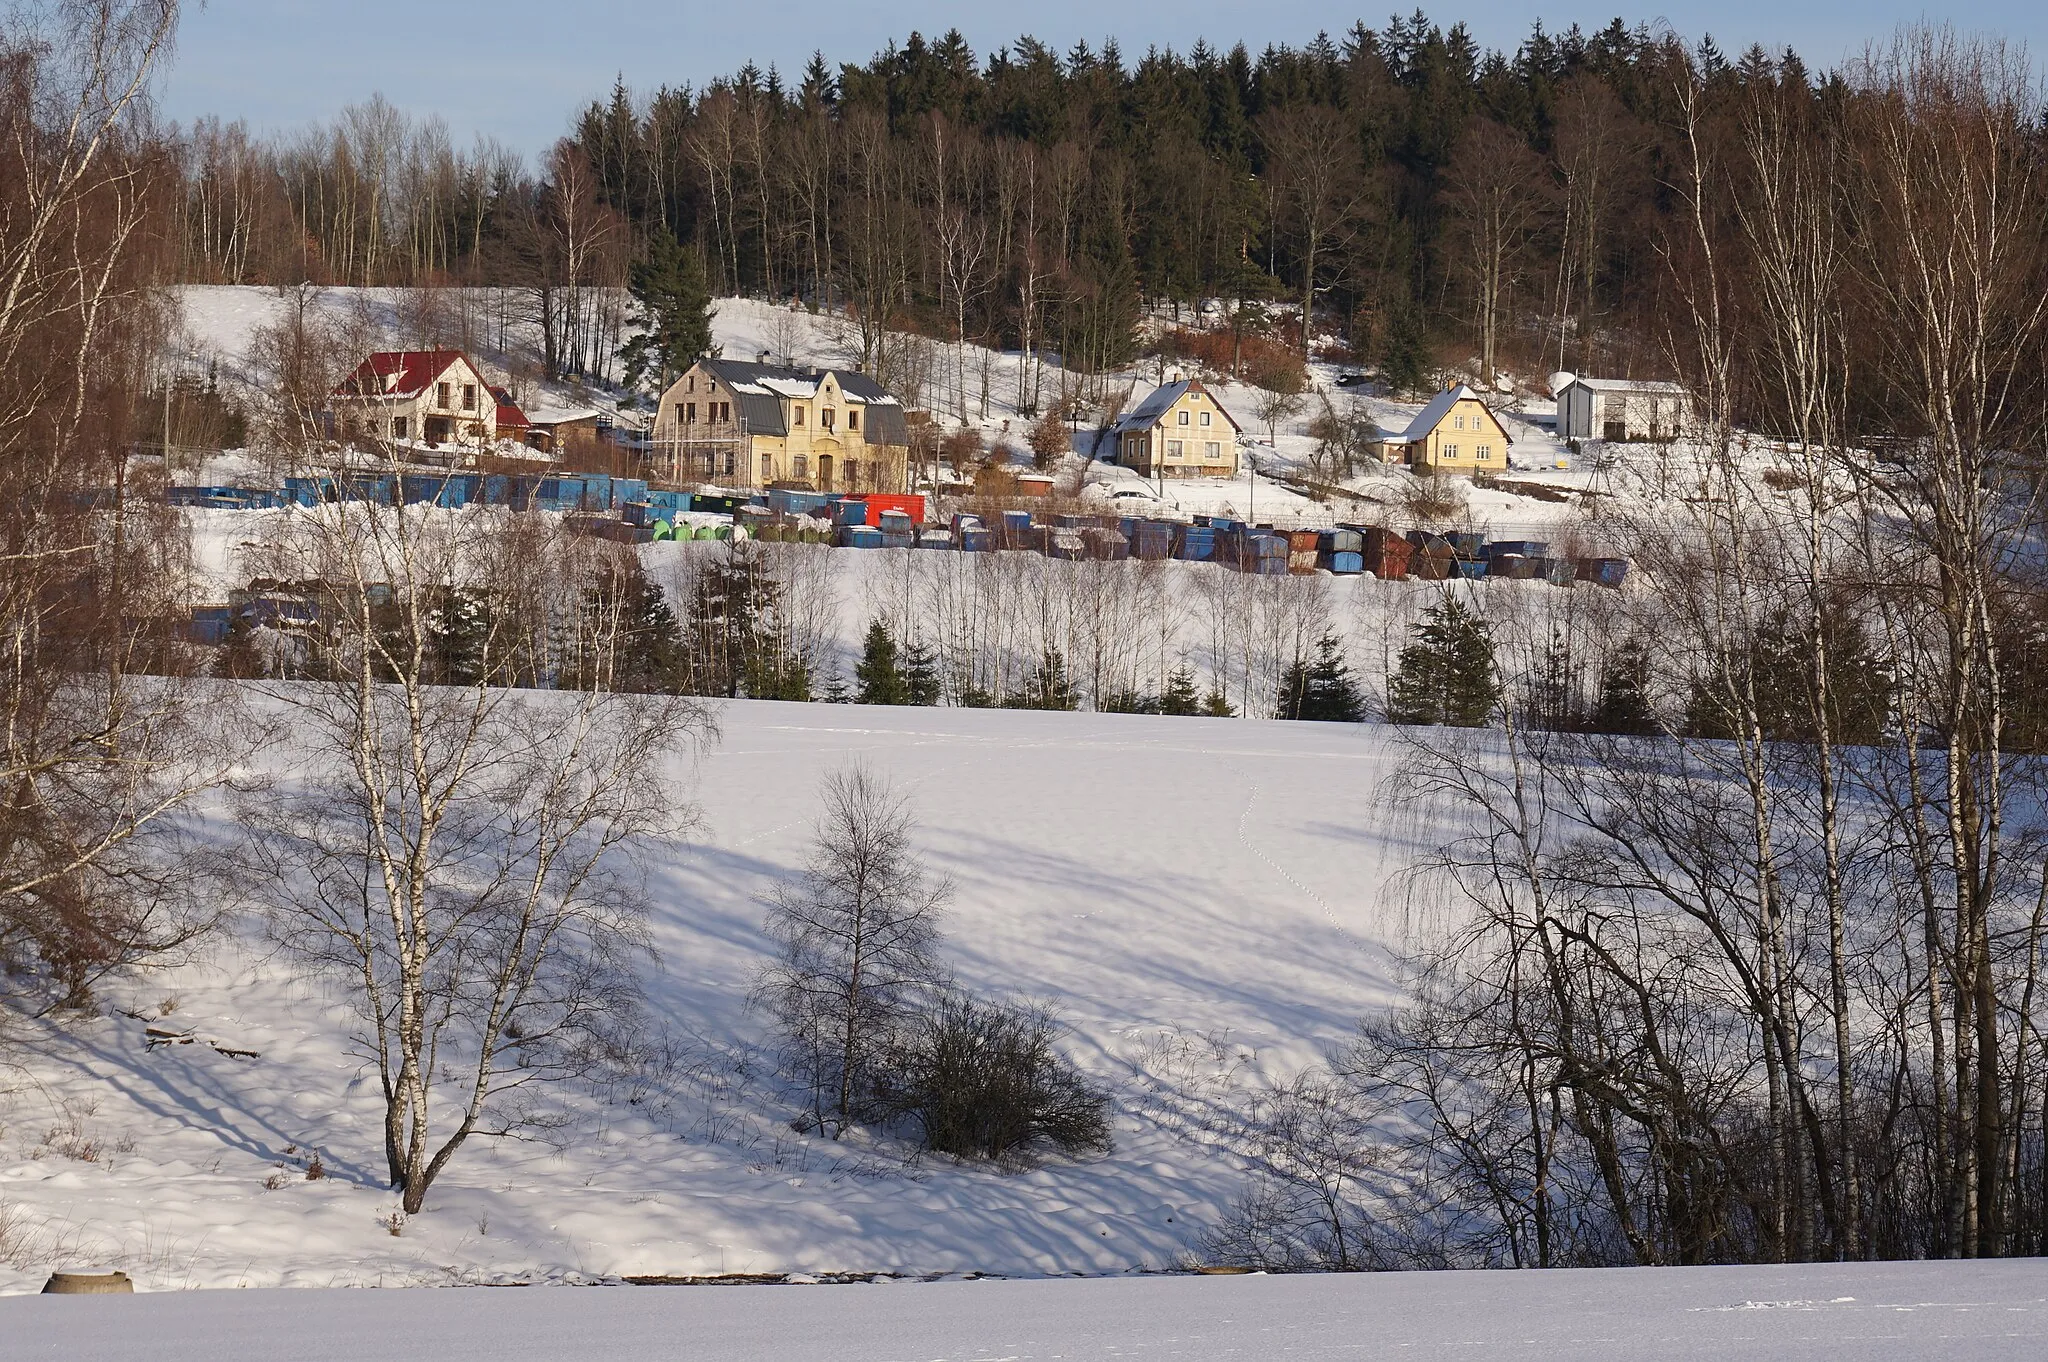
point(1132, 494)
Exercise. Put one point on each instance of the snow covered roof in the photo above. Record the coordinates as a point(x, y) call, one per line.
point(398, 373)
point(762, 388)
point(556, 416)
point(1160, 400)
point(1630, 385)
point(1439, 407)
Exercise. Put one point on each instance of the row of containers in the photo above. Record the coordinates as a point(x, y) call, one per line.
point(629, 510)
point(1344, 550)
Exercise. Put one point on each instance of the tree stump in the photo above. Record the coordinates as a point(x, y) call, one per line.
point(88, 1284)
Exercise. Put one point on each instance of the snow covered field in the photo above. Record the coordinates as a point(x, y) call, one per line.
point(1878, 1312)
point(1206, 901)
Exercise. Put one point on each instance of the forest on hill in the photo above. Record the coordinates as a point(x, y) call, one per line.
point(1433, 202)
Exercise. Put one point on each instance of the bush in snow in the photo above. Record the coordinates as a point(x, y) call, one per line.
point(983, 1080)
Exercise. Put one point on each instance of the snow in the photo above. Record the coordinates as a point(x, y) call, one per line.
point(1912, 1312)
point(1202, 899)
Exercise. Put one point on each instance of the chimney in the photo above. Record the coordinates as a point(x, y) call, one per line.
point(764, 357)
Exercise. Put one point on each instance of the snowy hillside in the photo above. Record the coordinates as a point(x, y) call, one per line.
point(1883, 1312)
point(1204, 900)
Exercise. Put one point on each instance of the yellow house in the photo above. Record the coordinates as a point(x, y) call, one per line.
point(1455, 433)
point(1179, 431)
point(751, 425)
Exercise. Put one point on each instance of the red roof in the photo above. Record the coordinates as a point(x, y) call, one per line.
point(510, 417)
point(414, 370)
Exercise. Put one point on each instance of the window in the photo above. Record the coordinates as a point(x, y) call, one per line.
point(728, 463)
point(852, 419)
point(828, 418)
point(725, 415)
point(689, 413)
point(1205, 418)
point(398, 426)
point(692, 386)
point(469, 397)
point(1450, 451)
point(798, 409)
point(800, 466)
point(767, 468)
point(1213, 452)
point(1458, 421)
point(1183, 418)
point(1173, 447)
point(1483, 453)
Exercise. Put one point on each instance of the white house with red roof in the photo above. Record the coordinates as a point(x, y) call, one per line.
point(433, 397)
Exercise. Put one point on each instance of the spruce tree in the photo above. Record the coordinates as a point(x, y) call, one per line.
point(1046, 686)
point(674, 312)
point(1216, 705)
point(1180, 696)
point(877, 677)
point(1321, 691)
point(920, 675)
point(633, 643)
point(1447, 675)
point(1624, 705)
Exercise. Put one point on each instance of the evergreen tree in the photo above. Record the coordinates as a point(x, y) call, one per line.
point(920, 675)
point(1406, 352)
point(1046, 686)
point(674, 313)
point(632, 642)
point(1553, 702)
point(1217, 706)
point(878, 678)
point(462, 629)
point(1180, 696)
point(1447, 675)
point(1624, 705)
point(1321, 691)
point(835, 691)
point(1130, 702)
point(736, 641)
point(239, 659)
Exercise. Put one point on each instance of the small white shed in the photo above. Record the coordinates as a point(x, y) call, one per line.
point(1622, 409)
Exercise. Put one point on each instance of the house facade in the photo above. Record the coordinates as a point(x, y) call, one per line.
point(751, 425)
point(1179, 431)
point(1455, 433)
point(1622, 409)
point(434, 397)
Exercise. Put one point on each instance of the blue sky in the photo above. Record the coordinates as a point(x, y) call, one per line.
point(517, 69)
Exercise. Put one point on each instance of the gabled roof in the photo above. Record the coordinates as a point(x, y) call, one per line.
point(1630, 385)
point(761, 388)
point(1159, 401)
point(398, 373)
point(1432, 416)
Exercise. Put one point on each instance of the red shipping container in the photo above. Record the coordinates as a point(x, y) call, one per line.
point(878, 502)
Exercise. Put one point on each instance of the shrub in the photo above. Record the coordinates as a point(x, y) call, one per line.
point(983, 1081)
